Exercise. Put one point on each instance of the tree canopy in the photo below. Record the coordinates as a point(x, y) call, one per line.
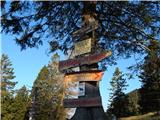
point(122, 26)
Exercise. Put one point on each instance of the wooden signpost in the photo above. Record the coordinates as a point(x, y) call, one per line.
point(83, 60)
point(89, 104)
point(82, 47)
point(82, 102)
point(84, 76)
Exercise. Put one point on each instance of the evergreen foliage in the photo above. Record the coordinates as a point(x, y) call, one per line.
point(21, 104)
point(7, 75)
point(150, 79)
point(13, 104)
point(118, 99)
point(47, 93)
point(122, 25)
point(7, 86)
point(133, 106)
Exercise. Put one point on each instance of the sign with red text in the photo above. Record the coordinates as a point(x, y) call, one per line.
point(65, 64)
point(84, 76)
point(82, 102)
point(82, 47)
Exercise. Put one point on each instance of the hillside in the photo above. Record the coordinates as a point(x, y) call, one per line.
point(148, 116)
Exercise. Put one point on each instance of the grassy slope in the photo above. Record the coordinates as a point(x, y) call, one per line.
point(148, 116)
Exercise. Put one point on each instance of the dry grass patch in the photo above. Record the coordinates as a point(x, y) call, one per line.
point(148, 116)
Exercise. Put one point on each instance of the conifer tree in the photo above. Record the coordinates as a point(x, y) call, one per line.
point(39, 94)
point(133, 107)
point(117, 96)
point(20, 104)
point(7, 86)
point(7, 75)
point(150, 79)
point(48, 92)
point(56, 81)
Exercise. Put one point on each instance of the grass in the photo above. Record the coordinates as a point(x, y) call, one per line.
point(148, 116)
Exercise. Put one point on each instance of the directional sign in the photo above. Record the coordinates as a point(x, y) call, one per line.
point(82, 102)
point(86, 29)
point(82, 47)
point(84, 76)
point(83, 60)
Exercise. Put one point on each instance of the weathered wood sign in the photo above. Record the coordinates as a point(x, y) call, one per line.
point(84, 76)
point(85, 29)
point(82, 47)
point(82, 102)
point(65, 64)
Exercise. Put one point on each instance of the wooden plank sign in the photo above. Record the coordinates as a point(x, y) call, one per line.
point(65, 64)
point(82, 102)
point(84, 76)
point(85, 29)
point(82, 47)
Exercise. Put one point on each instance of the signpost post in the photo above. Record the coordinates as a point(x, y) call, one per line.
point(89, 104)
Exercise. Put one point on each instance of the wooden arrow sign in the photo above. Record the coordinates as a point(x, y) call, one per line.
point(82, 102)
point(85, 29)
point(84, 76)
point(83, 60)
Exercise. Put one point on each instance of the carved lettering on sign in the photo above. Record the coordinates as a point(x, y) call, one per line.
point(83, 60)
point(82, 102)
point(84, 76)
point(82, 47)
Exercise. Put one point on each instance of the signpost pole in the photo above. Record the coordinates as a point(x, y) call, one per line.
point(91, 87)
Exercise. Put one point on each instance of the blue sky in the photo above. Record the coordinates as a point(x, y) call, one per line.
point(28, 63)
